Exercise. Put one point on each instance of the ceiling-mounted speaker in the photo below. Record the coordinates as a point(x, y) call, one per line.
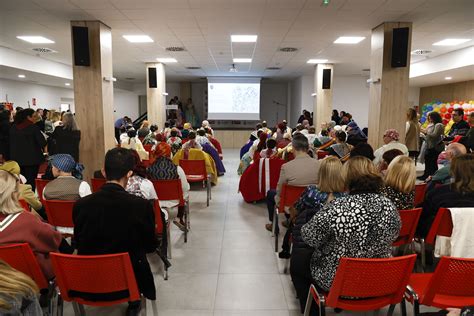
point(326, 78)
point(400, 37)
point(80, 46)
point(152, 83)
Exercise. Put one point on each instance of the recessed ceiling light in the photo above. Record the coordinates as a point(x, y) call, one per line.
point(67, 84)
point(36, 39)
point(448, 78)
point(21, 76)
point(243, 38)
point(316, 61)
point(242, 60)
point(451, 41)
point(349, 40)
point(167, 60)
point(138, 38)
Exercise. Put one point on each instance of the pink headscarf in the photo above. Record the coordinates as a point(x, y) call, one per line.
point(392, 134)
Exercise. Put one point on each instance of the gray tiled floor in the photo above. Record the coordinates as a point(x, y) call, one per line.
point(228, 267)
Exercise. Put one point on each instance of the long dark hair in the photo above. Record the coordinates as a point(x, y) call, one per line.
point(435, 117)
point(22, 115)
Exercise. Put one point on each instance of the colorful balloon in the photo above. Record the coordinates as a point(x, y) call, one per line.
point(450, 110)
point(423, 120)
point(447, 116)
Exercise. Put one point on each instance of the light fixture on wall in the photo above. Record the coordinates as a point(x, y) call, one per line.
point(67, 84)
point(21, 76)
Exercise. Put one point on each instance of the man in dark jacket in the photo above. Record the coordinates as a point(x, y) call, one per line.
point(114, 221)
point(460, 126)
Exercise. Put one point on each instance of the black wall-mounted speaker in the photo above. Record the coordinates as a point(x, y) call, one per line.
point(326, 78)
point(152, 78)
point(400, 38)
point(80, 44)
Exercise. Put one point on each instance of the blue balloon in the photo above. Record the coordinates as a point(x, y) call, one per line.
point(423, 120)
point(430, 108)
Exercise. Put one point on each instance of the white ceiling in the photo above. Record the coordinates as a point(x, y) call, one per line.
point(204, 27)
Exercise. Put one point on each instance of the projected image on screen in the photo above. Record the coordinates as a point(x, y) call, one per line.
point(233, 100)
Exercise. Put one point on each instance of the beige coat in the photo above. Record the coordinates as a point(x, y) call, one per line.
point(412, 138)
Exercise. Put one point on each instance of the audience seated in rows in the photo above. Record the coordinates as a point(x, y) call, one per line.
point(197, 154)
point(19, 226)
point(399, 186)
point(192, 142)
point(131, 141)
point(391, 140)
point(174, 141)
point(270, 150)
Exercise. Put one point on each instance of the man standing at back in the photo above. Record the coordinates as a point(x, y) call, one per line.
point(113, 221)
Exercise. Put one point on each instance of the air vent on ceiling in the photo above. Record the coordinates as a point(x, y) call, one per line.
point(421, 52)
point(175, 49)
point(273, 68)
point(193, 68)
point(43, 50)
point(288, 49)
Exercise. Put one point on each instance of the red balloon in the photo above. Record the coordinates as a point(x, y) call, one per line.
point(447, 116)
point(445, 122)
point(465, 117)
point(450, 110)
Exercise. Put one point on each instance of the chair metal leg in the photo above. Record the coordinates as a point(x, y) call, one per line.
point(403, 307)
point(186, 222)
point(168, 233)
point(143, 309)
point(78, 309)
point(423, 255)
point(390, 310)
point(60, 305)
point(208, 190)
point(309, 303)
point(275, 230)
point(165, 275)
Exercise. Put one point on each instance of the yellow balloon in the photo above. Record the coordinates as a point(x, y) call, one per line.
point(436, 109)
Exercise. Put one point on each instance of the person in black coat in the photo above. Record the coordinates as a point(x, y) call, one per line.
point(26, 145)
point(65, 139)
point(4, 134)
point(114, 221)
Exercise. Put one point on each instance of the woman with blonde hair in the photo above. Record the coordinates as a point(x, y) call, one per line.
point(18, 292)
point(331, 186)
point(363, 224)
point(18, 226)
point(399, 184)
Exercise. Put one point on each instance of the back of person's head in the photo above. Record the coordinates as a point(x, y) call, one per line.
point(118, 162)
point(299, 127)
point(14, 286)
point(361, 176)
point(324, 132)
point(330, 176)
point(412, 115)
point(364, 150)
point(153, 128)
point(312, 130)
point(9, 193)
point(69, 122)
point(192, 135)
point(167, 124)
point(456, 149)
point(341, 136)
point(389, 155)
point(143, 132)
point(462, 169)
point(201, 132)
point(435, 117)
point(23, 114)
point(271, 143)
point(258, 126)
point(259, 132)
point(401, 174)
point(174, 132)
point(264, 124)
point(131, 133)
point(300, 143)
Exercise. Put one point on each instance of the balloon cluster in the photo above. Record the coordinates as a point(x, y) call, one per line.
point(445, 110)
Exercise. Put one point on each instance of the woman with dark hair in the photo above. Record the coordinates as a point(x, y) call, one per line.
point(26, 145)
point(340, 149)
point(262, 144)
point(138, 184)
point(65, 138)
point(364, 150)
point(335, 117)
point(363, 224)
point(434, 143)
point(131, 141)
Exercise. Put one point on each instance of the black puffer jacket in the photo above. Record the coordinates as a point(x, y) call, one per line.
point(300, 220)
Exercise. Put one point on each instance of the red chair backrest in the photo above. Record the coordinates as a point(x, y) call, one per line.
point(289, 195)
point(193, 167)
point(420, 190)
point(371, 278)
point(21, 258)
point(40, 184)
point(169, 190)
point(321, 154)
point(409, 220)
point(159, 225)
point(454, 279)
point(97, 183)
point(42, 168)
point(95, 274)
point(442, 226)
point(25, 205)
point(59, 212)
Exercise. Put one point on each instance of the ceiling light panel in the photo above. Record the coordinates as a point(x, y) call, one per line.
point(167, 60)
point(36, 39)
point(21, 76)
point(317, 61)
point(242, 60)
point(138, 38)
point(451, 42)
point(243, 38)
point(349, 40)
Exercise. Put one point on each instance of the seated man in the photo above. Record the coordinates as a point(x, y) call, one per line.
point(301, 171)
point(442, 176)
point(67, 185)
point(113, 221)
point(460, 126)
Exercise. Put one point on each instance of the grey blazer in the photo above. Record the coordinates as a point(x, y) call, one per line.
point(434, 135)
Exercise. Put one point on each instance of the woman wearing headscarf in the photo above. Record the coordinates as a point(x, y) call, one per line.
point(138, 184)
point(163, 168)
point(262, 145)
point(340, 149)
point(186, 129)
point(68, 184)
point(354, 134)
point(390, 139)
point(280, 132)
point(205, 124)
point(174, 141)
point(133, 142)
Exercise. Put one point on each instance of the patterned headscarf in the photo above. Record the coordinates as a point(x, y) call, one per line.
point(66, 163)
point(392, 134)
point(162, 150)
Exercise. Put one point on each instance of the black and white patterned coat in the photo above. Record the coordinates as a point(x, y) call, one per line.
point(356, 226)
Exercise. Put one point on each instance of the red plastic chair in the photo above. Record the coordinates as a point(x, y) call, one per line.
point(97, 183)
point(40, 184)
point(442, 226)
point(42, 169)
point(289, 195)
point(82, 279)
point(171, 190)
point(322, 154)
point(59, 213)
point(420, 190)
point(375, 282)
point(451, 285)
point(409, 220)
point(195, 171)
point(25, 205)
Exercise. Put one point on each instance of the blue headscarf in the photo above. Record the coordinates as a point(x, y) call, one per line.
point(66, 163)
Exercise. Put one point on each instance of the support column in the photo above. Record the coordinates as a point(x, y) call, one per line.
point(322, 103)
point(93, 97)
point(388, 92)
point(155, 96)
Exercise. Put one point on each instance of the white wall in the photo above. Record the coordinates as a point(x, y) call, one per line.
point(125, 103)
point(273, 102)
point(413, 96)
point(301, 99)
point(351, 94)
